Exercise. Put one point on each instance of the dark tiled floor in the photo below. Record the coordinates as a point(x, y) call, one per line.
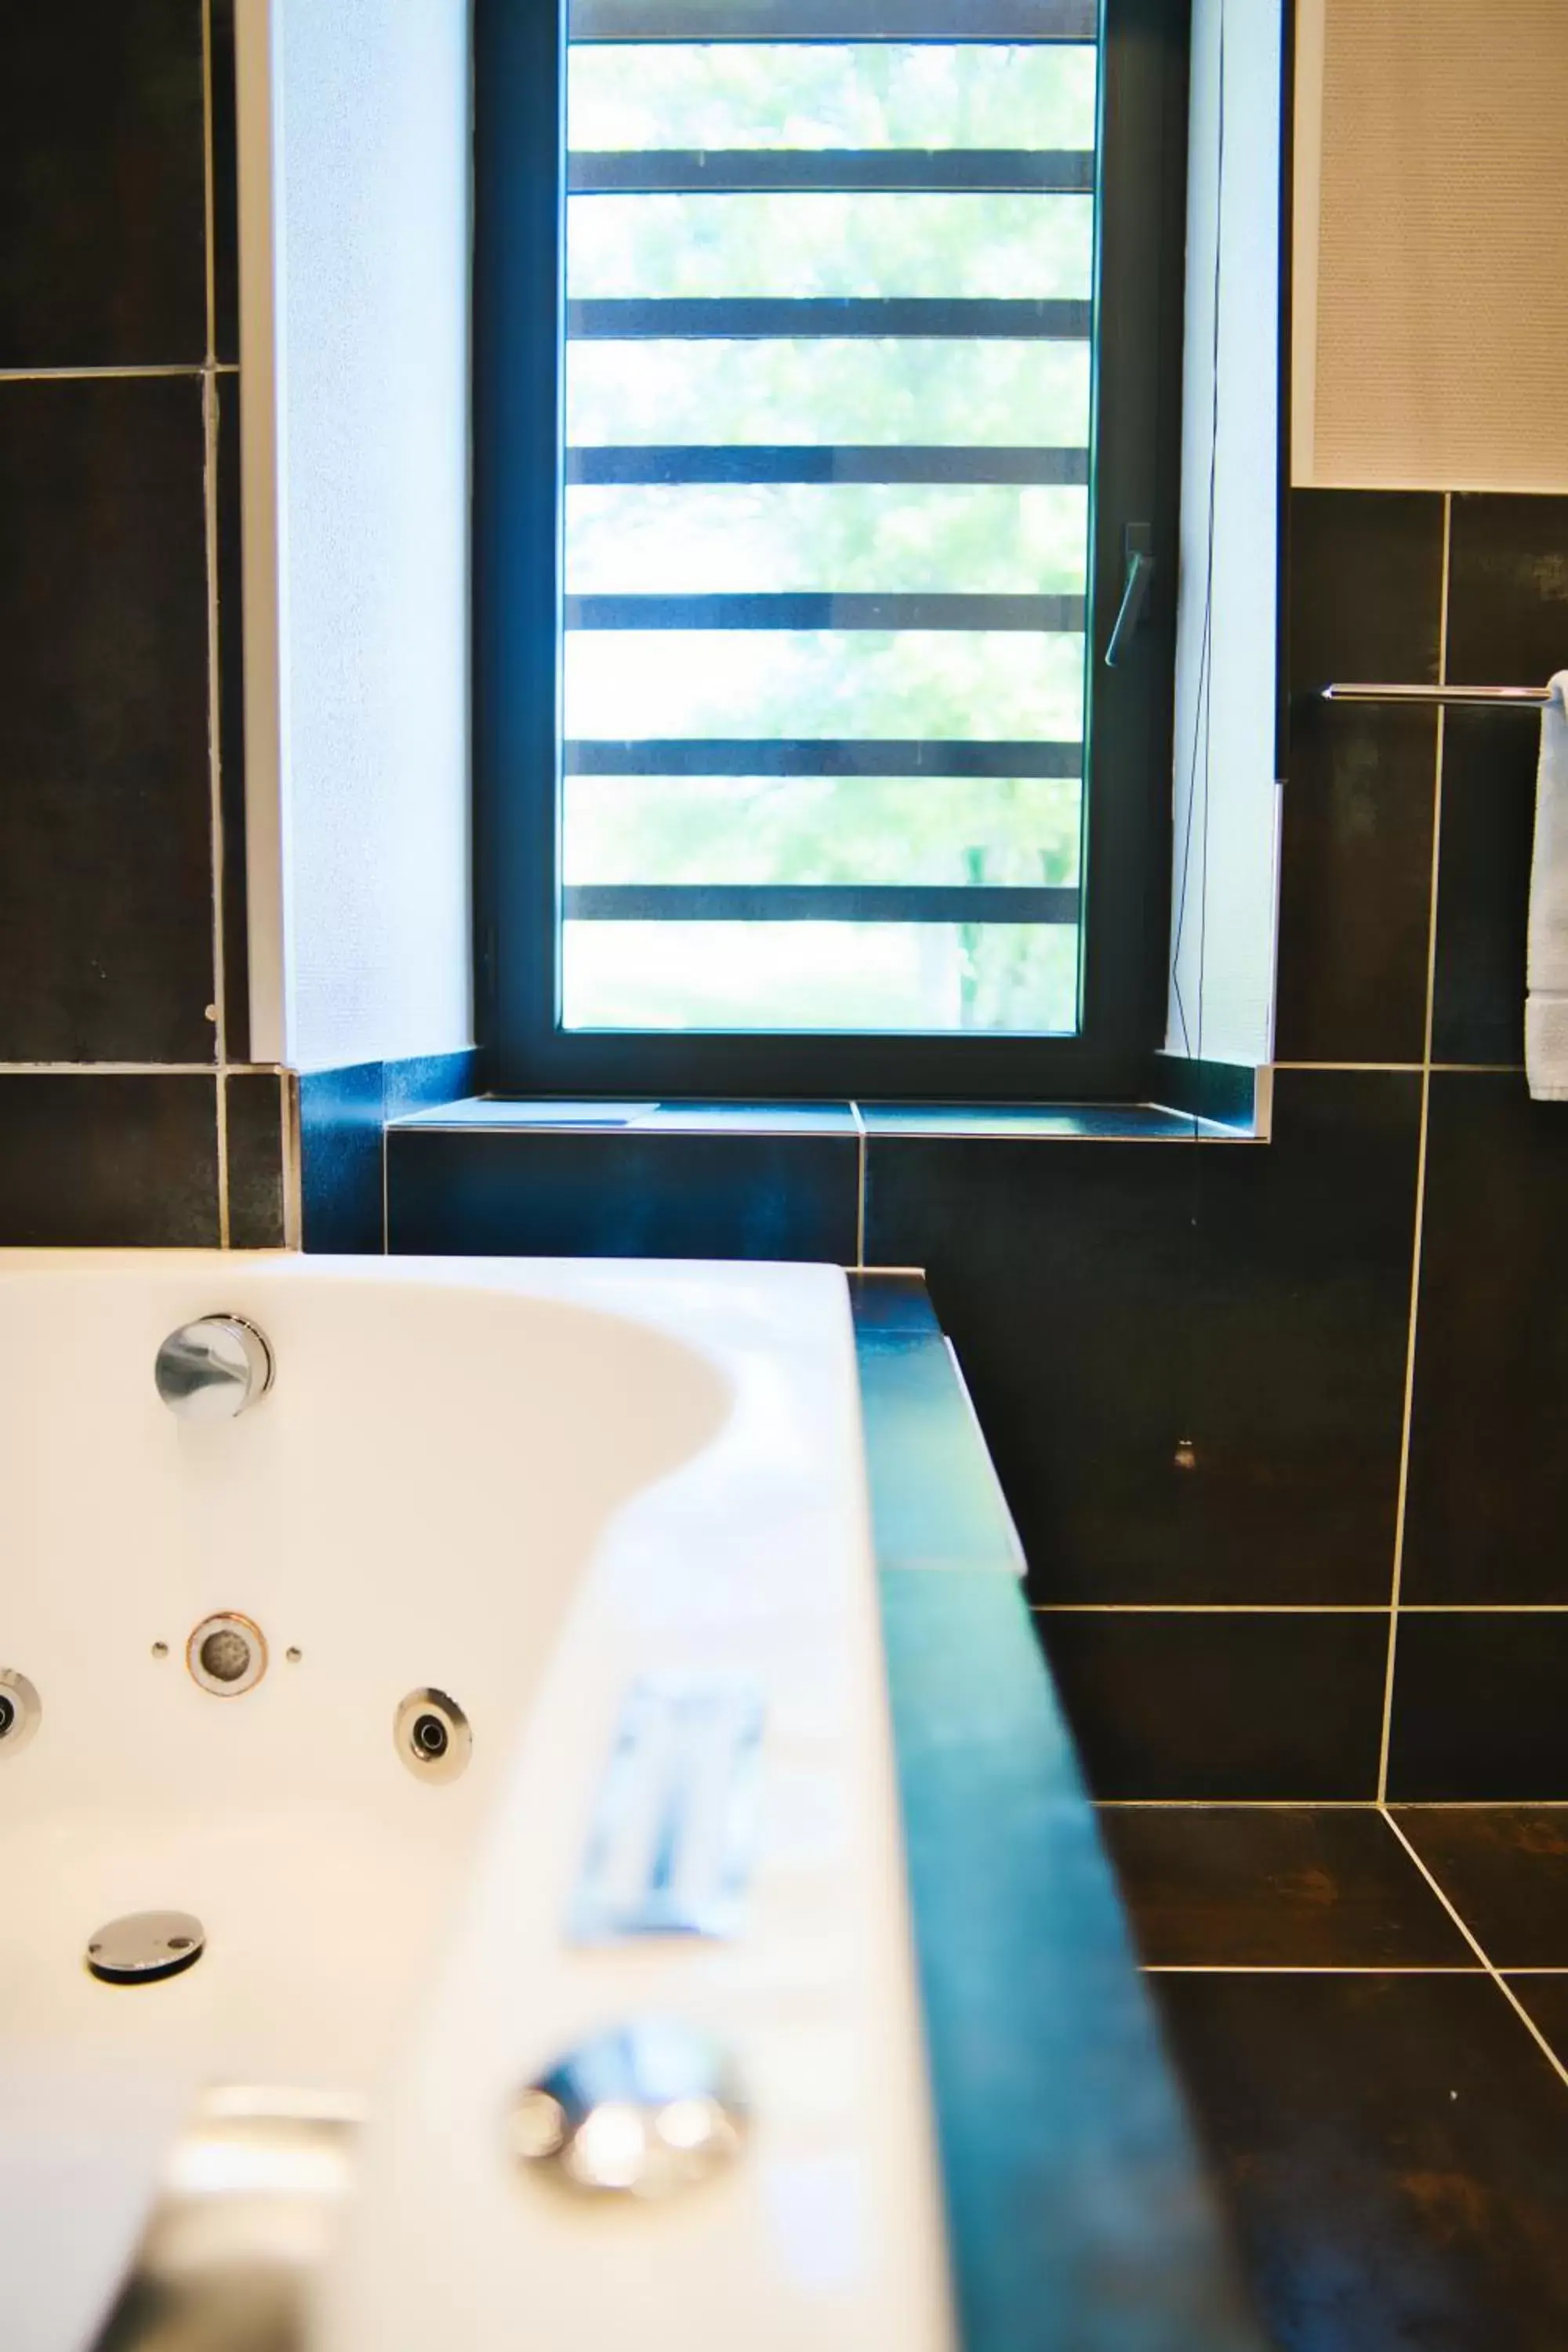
point(1546, 1999)
point(1390, 2136)
point(1264, 1886)
point(1505, 1869)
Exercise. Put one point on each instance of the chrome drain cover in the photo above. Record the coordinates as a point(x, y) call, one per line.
point(145, 1946)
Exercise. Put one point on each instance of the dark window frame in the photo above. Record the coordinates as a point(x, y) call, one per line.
point(518, 607)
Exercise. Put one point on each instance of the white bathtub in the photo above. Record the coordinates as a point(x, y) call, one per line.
point(526, 1484)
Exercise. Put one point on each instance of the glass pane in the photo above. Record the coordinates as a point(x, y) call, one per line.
point(933, 467)
point(887, 829)
point(861, 95)
point(953, 685)
point(930, 977)
point(873, 394)
point(848, 538)
point(816, 244)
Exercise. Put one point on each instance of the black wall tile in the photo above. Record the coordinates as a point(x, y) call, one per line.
point(226, 186)
point(1299, 1334)
point(1483, 889)
point(1222, 1703)
point(1064, 1274)
point(624, 1194)
point(1505, 1869)
point(1276, 1887)
point(105, 853)
point(1111, 1303)
point(230, 686)
point(1355, 884)
point(1392, 2147)
point(1479, 1709)
point(108, 1160)
point(341, 1114)
point(102, 185)
point(1507, 590)
point(257, 1107)
point(1489, 1468)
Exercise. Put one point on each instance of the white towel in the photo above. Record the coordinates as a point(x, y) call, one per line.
point(1546, 978)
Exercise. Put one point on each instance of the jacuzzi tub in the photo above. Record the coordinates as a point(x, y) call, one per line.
point(532, 1486)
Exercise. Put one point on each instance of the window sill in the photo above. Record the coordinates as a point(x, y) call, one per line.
point(997, 1122)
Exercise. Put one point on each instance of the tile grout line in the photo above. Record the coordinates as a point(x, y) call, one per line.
point(858, 1116)
point(1475, 1944)
point(1308, 1968)
point(136, 1069)
point(209, 202)
point(209, 513)
point(1402, 1500)
point(1408, 1068)
point(112, 374)
point(1297, 1609)
point(1320, 1805)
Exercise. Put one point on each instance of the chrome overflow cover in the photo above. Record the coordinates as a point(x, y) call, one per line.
point(212, 1368)
point(644, 2110)
point(145, 1946)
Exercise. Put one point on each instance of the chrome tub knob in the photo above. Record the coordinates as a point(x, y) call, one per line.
point(212, 1368)
point(646, 2110)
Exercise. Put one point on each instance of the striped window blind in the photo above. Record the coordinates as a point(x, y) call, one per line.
point(829, 276)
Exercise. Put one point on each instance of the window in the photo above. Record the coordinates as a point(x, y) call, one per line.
point(827, 371)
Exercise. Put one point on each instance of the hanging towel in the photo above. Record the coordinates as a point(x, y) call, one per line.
point(1546, 1005)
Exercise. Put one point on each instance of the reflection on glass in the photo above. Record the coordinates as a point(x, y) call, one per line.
point(928, 977)
point(818, 244)
point(863, 95)
point(925, 464)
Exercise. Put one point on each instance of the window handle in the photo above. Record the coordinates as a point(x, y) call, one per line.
point(1138, 540)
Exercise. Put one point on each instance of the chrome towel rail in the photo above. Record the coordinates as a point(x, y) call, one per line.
point(1477, 697)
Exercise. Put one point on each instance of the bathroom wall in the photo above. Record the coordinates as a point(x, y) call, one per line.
point(130, 1109)
point(1232, 1432)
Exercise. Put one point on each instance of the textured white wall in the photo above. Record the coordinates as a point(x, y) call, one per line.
point(369, 226)
point(1431, 324)
point(1226, 795)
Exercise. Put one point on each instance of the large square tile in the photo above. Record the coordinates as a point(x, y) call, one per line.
point(1217, 1703)
point(1356, 855)
point(1505, 1869)
point(102, 185)
point(1188, 1359)
point(1276, 1887)
point(1478, 1712)
point(1488, 1501)
point(1394, 2149)
point(106, 929)
point(258, 1115)
point(1483, 888)
point(99, 1159)
point(1508, 588)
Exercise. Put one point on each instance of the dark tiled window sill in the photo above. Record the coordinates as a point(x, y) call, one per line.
point(1002, 1122)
